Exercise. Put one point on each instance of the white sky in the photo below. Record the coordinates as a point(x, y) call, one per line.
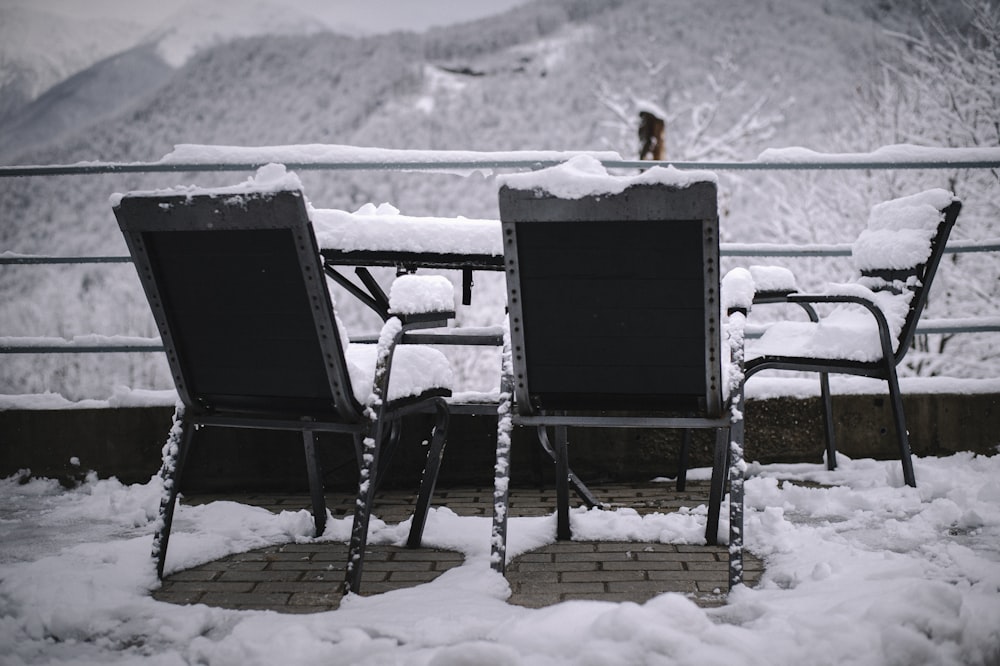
point(366, 15)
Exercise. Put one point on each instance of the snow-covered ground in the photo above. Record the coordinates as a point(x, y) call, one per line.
point(860, 570)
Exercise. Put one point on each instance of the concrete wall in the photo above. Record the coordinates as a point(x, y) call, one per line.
point(126, 443)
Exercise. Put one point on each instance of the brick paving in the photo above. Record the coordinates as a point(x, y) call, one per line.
point(305, 578)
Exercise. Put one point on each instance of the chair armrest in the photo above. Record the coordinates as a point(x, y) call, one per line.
point(737, 290)
point(772, 283)
point(852, 294)
point(485, 336)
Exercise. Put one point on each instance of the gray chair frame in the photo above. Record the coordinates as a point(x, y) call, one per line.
point(885, 367)
point(238, 293)
point(618, 246)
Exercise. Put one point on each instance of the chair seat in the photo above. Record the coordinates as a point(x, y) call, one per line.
point(847, 333)
point(416, 369)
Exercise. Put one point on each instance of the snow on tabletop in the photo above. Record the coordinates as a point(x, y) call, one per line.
point(773, 279)
point(585, 176)
point(384, 228)
point(417, 294)
point(892, 153)
point(268, 178)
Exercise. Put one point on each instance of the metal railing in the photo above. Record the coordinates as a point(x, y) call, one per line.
point(249, 159)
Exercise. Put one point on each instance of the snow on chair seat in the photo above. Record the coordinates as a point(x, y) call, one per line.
point(874, 317)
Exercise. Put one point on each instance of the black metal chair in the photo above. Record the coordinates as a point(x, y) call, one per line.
point(236, 285)
point(896, 257)
point(615, 321)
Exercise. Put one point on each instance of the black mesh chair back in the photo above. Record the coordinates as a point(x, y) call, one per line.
point(240, 301)
point(615, 309)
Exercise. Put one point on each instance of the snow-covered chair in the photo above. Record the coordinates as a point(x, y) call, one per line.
point(238, 292)
point(616, 321)
point(874, 318)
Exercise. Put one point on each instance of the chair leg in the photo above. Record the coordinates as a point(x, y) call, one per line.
point(501, 471)
point(579, 487)
point(359, 450)
point(362, 511)
point(388, 446)
point(827, 400)
point(899, 417)
point(315, 481)
point(717, 490)
point(736, 503)
point(174, 457)
point(430, 475)
point(563, 531)
point(682, 460)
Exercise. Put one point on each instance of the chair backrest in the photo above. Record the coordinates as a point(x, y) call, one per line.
point(614, 299)
point(902, 248)
point(240, 300)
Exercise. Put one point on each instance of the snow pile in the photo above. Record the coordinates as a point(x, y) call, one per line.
point(899, 232)
point(737, 290)
point(268, 178)
point(773, 279)
point(415, 369)
point(859, 570)
point(418, 294)
point(384, 228)
point(898, 153)
point(322, 153)
point(585, 176)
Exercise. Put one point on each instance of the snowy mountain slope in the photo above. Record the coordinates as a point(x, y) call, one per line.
point(557, 74)
point(39, 49)
point(88, 83)
point(100, 91)
point(198, 26)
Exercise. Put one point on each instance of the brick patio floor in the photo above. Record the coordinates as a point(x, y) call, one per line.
point(305, 578)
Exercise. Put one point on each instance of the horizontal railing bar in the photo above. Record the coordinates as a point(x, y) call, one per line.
point(964, 325)
point(91, 168)
point(84, 344)
point(778, 250)
point(962, 246)
point(45, 259)
point(14, 345)
point(924, 326)
point(79, 349)
point(725, 250)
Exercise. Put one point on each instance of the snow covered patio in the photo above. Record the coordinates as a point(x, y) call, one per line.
point(303, 577)
point(858, 569)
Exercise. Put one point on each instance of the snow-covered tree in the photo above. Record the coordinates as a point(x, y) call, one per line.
point(940, 86)
point(712, 123)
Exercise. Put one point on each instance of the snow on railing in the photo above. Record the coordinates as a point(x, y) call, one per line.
point(192, 157)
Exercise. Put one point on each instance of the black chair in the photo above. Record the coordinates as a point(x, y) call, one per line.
point(237, 289)
point(615, 321)
point(896, 257)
